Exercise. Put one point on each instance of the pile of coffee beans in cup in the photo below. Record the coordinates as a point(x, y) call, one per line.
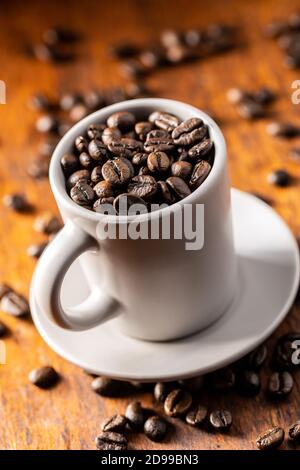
point(146, 163)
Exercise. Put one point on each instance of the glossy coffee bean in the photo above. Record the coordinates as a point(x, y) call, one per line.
point(123, 120)
point(97, 150)
point(140, 159)
point(280, 178)
point(80, 176)
point(81, 143)
point(95, 131)
point(96, 174)
point(271, 439)
point(158, 134)
point(82, 194)
point(135, 415)
point(47, 223)
point(199, 174)
point(162, 390)
point(189, 132)
point(221, 420)
point(164, 120)
point(125, 147)
point(182, 169)
point(177, 403)
point(107, 387)
point(159, 144)
point(143, 186)
point(118, 172)
point(16, 202)
point(155, 428)
point(257, 357)
point(104, 205)
point(178, 186)
point(165, 194)
point(294, 431)
point(103, 189)
point(158, 162)
point(86, 161)
point(196, 416)
point(116, 423)
point(69, 163)
point(125, 202)
point(44, 377)
point(201, 149)
point(142, 129)
point(14, 304)
point(280, 384)
point(111, 441)
point(110, 134)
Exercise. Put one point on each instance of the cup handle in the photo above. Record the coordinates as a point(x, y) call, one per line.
point(50, 272)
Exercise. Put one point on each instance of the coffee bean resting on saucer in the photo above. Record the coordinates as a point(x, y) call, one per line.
point(127, 161)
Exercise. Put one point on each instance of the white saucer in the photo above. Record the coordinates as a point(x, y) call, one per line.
point(269, 276)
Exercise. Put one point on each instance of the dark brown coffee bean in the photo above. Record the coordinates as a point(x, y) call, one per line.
point(81, 143)
point(111, 441)
point(123, 50)
point(95, 131)
point(86, 160)
point(271, 439)
point(39, 168)
point(159, 144)
point(96, 175)
point(109, 387)
point(178, 186)
point(221, 420)
point(78, 112)
point(178, 54)
point(17, 202)
point(182, 169)
point(69, 163)
point(158, 134)
point(264, 96)
point(177, 403)
point(249, 382)
point(116, 423)
point(276, 29)
point(200, 173)
point(221, 380)
point(98, 150)
point(104, 205)
point(152, 58)
point(164, 120)
point(280, 384)
point(191, 138)
point(158, 162)
point(14, 304)
point(40, 102)
point(47, 124)
point(142, 128)
point(3, 330)
point(104, 189)
point(182, 134)
point(47, 223)
point(44, 53)
point(143, 186)
point(155, 428)
point(125, 147)
point(123, 120)
point(4, 289)
point(43, 377)
point(80, 176)
point(54, 36)
point(111, 134)
point(237, 95)
point(135, 415)
point(82, 194)
point(294, 431)
point(284, 350)
point(144, 170)
point(165, 193)
point(125, 201)
point(196, 416)
point(36, 249)
point(118, 172)
point(257, 357)
point(69, 100)
point(283, 129)
point(201, 150)
point(250, 109)
point(162, 390)
point(280, 178)
point(139, 159)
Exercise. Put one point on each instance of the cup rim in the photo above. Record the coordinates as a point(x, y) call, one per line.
point(57, 179)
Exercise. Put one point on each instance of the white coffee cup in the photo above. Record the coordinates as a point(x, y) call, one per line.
point(153, 289)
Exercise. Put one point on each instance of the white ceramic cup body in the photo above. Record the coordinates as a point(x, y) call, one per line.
point(162, 290)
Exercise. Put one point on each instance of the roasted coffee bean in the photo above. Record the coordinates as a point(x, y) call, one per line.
point(294, 431)
point(164, 120)
point(125, 147)
point(80, 176)
point(139, 159)
point(95, 131)
point(104, 205)
point(143, 186)
point(125, 201)
point(249, 382)
point(185, 128)
point(159, 144)
point(162, 390)
point(196, 416)
point(4, 289)
point(123, 50)
point(155, 428)
point(158, 162)
point(144, 170)
point(280, 384)
point(36, 249)
point(47, 124)
point(40, 102)
point(165, 193)
point(78, 112)
point(200, 172)
point(47, 223)
point(152, 58)
point(178, 54)
point(86, 160)
point(192, 37)
point(283, 129)
point(221, 380)
point(135, 415)
point(69, 100)
point(250, 109)
point(118, 172)
point(81, 143)
point(257, 357)
point(177, 403)
point(276, 29)
point(280, 178)
point(39, 168)
point(104, 189)
point(193, 385)
point(182, 169)
point(264, 96)
point(96, 175)
point(82, 194)
point(109, 387)
point(16, 202)
point(69, 163)
point(284, 350)
point(14, 304)
point(142, 129)
point(3, 330)
point(221, 420)
point(111, 441)
point(43, 377)
point(54, 36)
point(116, 423)
point(94, 100)
point(236, 95)
point(157, 134)
point(178, 186)
point(192, 137)
point(201, 149)
point(111, 134)
point(97, 150)
point(271, 439)
point(123, 120)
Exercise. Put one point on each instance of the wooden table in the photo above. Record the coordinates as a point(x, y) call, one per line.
point(69, 416)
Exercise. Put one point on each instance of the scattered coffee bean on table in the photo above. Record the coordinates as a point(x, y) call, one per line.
point(284, 350)
point(294, 431)
point(4, 289)
point(3, 329)
point(155, 428)
point(280, 384)
point(36, 249)
point(257, 358)
point(44, 377)
point(116, 423)
point(17, 202)
point(271, 439)
point(47, 223)
point(283, 129)
point(280, 178)
point(162, 390)
point(177, 403)
point(109, 387)
point(14, 304)
point(135, 415)
point(196, 416)
point(221, 420)
point(111, 441)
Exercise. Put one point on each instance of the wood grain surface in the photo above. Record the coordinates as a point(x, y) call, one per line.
point(69, 416)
